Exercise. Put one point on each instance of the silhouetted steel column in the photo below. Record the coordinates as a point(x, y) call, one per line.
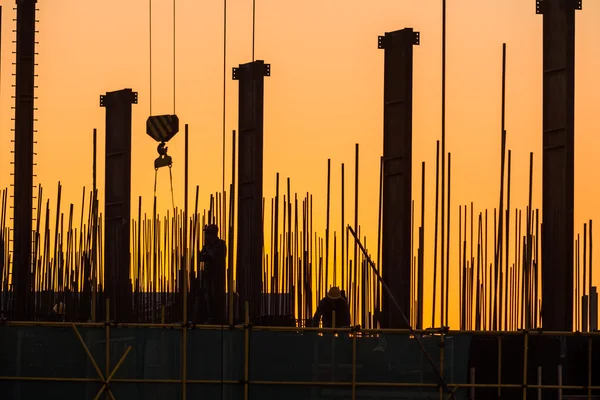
point(23, 186)
point(117, 201)
point(397, 171)
point(250, 183)
point(558, 162)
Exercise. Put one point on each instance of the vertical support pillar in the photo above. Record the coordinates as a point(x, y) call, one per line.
point(397, 171)
point(593, 309)
point(558, 161)
point(250, 183)
point(23, 184)
point(584, 313)
point(117, 201)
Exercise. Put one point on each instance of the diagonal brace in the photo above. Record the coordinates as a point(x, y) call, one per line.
point(410, 328)
point(105, 382)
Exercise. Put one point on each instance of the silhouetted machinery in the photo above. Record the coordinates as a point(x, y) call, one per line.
point(162, 128)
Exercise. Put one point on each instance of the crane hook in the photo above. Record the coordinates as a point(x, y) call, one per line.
point(163, 160)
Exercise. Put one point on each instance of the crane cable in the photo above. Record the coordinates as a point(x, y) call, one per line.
point(150, 102)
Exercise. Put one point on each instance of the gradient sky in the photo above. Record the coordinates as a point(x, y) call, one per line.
point(325, 94)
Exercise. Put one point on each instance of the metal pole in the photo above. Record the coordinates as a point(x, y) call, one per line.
point(559, 371)
point(499, 366)
point(231, 230)
point(356, 164)
point(327, 225)
point(246, 350)
point(420, 275)
point(525, 352)
point(107, 333)
point(353, 364)
point(435, 236)
point(185, 273)
point(441, 361)
point(472, 383)
point(539, 382)
point(443, 160)
point(94, 272)
point(589, 380)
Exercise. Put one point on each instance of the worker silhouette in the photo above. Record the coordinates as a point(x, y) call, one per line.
point(330, 303)
point(59, 312)
point(213, 278)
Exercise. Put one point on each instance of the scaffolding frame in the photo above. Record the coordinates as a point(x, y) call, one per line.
point(106, 378)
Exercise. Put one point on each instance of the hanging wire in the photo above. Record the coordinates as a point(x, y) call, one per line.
point(174, 89)
point(150, 34)
point(174, 9)
point(224, 81)
point(155, 179)
point(253, 26)
point(172, 195)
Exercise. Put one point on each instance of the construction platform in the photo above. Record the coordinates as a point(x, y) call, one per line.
point(54, 360)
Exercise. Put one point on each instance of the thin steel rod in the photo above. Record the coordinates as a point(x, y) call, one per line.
point(507, 245)
point(327, 224)
point(590, 291)
point(230, 263)
point(420, 271)
point(529, 246)
point(435, 236)
point(447, 289)
point(355, 276)
point(185, 269)
point(443, 163)
point(343, 258)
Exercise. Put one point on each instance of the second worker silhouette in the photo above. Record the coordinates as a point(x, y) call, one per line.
point(213, 255)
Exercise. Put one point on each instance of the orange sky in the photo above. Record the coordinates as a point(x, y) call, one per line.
point(324, 95)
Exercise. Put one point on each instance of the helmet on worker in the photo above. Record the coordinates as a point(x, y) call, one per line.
point(211, 229)
point(334, 293)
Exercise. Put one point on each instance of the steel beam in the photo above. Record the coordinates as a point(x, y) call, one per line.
point(23, 175)
point(397, 171)
point(250, 184)
point(558, 161)
point(117, 201)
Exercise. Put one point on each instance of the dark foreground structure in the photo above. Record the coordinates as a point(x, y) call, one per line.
point(70, 362)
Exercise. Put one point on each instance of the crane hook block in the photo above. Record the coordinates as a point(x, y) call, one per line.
point(162, 128)
point(163, 160)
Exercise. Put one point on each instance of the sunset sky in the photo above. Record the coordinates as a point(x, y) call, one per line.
point(325, 94)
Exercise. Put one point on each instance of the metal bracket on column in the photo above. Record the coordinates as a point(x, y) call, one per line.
point(134, 99)
point(236, 72)
point(574, 4)
point(416, 40)
point(539, 6)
